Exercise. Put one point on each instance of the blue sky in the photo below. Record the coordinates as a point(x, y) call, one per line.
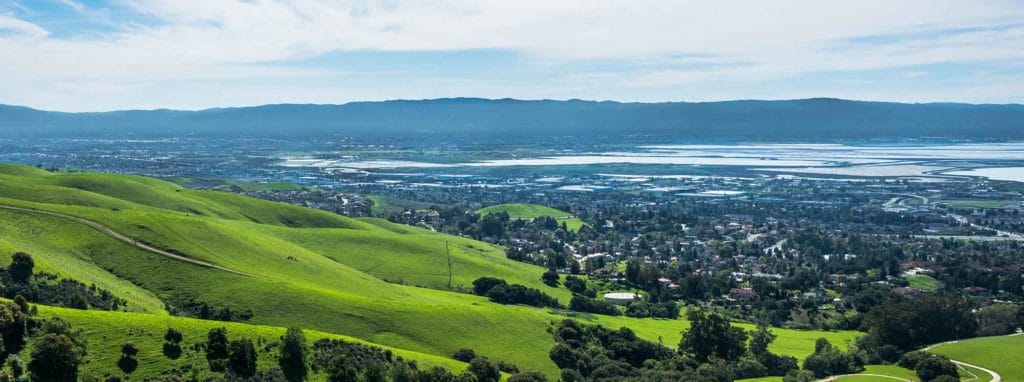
point(78, 55)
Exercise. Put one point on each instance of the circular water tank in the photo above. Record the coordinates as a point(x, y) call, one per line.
point(621, 298)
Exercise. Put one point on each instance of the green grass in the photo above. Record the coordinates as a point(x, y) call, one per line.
point(314, 269)
point(976, 203)
point(146, 331)
point(888, 370)
point(384, 205)
point(533, 211)
point(924, 282)
point(1002, 354)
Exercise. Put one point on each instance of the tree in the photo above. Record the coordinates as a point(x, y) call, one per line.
point(995, 320)
point(127, 362)
point(12, 328)
point(129, 349)
point(21, 267)
point(484, 284)
point(292, 358)
point(173, 336)
point(828, 360)
point(760, 339)
point(242, 358)
point(908, 323)
point(550, 278)
point(217, 348)
point(54, 358)
point(711, 335)
point(464, 355)
point(484, 370)
point(930, 368)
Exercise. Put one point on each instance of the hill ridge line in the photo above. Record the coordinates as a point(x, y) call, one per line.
point(126, 239)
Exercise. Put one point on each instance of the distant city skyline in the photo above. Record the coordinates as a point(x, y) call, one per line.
point(72, 55)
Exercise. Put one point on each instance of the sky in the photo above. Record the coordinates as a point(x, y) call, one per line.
point(78, 55)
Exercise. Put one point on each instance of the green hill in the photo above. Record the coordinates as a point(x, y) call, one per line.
point(1002, 354)
point(365, 278)
point(533, 211)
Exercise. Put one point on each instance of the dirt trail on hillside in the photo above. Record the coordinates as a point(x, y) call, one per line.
point(119, 236)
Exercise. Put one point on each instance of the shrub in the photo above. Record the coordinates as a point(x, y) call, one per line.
point(464, 355)
point(484, 370)
point(54, 358)
point(550, 278)
point(484, 284)
point(585, 304)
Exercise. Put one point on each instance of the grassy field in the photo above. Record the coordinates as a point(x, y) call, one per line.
point(533, 211)
point(924, 282)
point(365, 278)
point(887, 370)
point(976, 203)
point(1004, 354)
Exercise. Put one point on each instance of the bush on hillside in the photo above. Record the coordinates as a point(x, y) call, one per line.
point(580, 303)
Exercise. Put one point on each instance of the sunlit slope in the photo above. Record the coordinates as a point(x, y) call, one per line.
point(140, 193)
point(67, 249)
point(146, 331)
point(533, 211)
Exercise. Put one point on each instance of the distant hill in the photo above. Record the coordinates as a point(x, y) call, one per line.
point(818, 119)
point(533, 211)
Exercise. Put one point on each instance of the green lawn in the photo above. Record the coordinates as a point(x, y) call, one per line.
point(365, 278)
point(1003, 354)
point(887, 370)
point(924, 282)
point(533, 211)
point(976, 203)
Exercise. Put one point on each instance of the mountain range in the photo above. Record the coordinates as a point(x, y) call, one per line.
point(510, 120)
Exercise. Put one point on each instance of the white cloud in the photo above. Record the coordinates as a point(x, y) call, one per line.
point(14, 28)
point(691, 43)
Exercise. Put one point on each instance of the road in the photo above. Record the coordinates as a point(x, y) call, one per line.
point(119, 236)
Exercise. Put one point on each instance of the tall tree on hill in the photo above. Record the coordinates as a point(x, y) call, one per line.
point(217, 348)
point(711, 335)
point(242, 358)
point(21, 267)
point(292, 358)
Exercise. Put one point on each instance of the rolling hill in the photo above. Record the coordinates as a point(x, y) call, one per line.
point(290, 266)
point(533, 211)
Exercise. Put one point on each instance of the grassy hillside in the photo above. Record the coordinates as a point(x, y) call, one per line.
point(533, 211)
point(1002, 354)
point(384, 205)
point(924, 282)
point(146, 331)
point(310, 268)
